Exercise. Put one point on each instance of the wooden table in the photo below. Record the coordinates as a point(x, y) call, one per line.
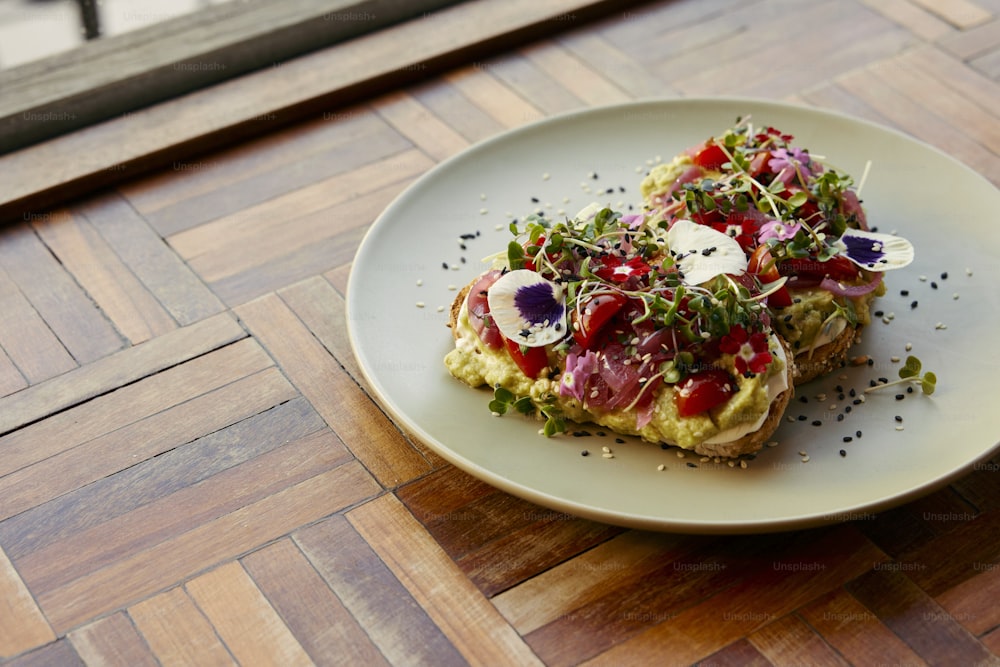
point(192, 472)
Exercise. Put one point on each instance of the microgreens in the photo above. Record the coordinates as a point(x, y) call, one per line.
point(504, 400)
point(910, 374)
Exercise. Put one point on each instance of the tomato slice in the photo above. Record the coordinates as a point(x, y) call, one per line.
point(703, 391)
point(479, 311)
point(594, 315)
point(762, 265)
point(711, 157)
point(531, 360)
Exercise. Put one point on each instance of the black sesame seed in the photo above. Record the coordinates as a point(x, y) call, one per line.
point(535, 200)
point(840, 418)
point(944, 276)
point(857, 433)
point(802, 418)
point(444, 265)
point(900, 397)
point(601, 434)
point(848, 438)
point(883, 380)
point(691, 465)
point(803, 399)
point(462, 260)
point(871, 383)
point(585, 453)
point(817, 422)
point(839, 389)
point(852, 393)
point(879, 313)
point(847, 408)
point(898, 418)
point(621, 188)
point(843, 452)
point(594, 176)
point(933, 285)
point(904, 292)
point(871, 362)
point(913, 304)
point(841, 396)
point(909, 390)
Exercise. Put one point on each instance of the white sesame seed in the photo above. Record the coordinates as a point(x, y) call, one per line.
point(545, 176)
point(894, 360)
point(899, 428)
point(909, 346)
point(440, 309)
point(923, 279)
point(704, 459)
point(790, 418)
point(483, 196)
point(885, 320)
point(805, 459)
point(452, 288)
point(955, 296)
point(940, 325)
point(483, 211)
point(773, 443)
point(661, 467)
point(833, 406)
point(605, 449)
point(743, 464)
point(680, 454)
point(639, 169)
point(968, 272)
point(731, 463)
point(608, 455)
point(420, 304)
point(801, 453)
point(820, 397)
point(419, 282)
point(495, 414)
point(891, 316)
point(842, 376)
point(498, 227)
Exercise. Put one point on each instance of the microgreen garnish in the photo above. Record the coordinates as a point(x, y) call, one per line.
point(910, 374)
point(504, 400)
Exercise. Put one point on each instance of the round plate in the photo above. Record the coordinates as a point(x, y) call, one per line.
point(862, 456)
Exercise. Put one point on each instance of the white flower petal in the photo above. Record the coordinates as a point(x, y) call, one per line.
point(703, 253)
point(874, 251)
point(589, 211)
point(527, 308)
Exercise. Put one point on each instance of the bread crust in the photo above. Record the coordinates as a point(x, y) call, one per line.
point(826, 358)
point(748, 444)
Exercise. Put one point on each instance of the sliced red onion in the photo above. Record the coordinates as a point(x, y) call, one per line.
point(850, 291)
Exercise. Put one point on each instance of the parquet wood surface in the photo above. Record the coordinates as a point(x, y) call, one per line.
point(192, 470)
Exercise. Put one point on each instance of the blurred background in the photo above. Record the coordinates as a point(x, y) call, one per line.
point(34, 29)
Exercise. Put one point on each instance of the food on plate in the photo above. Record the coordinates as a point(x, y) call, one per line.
point(648, 327)
point(801, 225)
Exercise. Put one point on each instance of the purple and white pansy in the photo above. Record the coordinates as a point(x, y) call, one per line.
point(702, 253)
point(874, 251)
point(528, 308)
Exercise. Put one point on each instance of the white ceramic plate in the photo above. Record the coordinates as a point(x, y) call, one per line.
point(947, 210)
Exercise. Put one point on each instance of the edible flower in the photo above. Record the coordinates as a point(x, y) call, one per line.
point(527, 308)
point(776, 229)
point(741, 229)
point(874, 251)
point(789, 163)
point(614, 269)
point(633, 220)
point(702, 253)
point(750, 350)
point(578, 369)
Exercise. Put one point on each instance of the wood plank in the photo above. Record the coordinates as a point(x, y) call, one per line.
point(71, 315)
point(73, 469)
point(243, 618)
point(789, 641)
point(11, 379)
point(491, 95)
point(914, 18)
point(974, 42)
point(917, 619)
point(738, 654)
point(314, 614)
point(448, 103)
point(170, 516)
point(22, 624)
point(130, 404)
point(612, 63)
point(255, 235)
point(177, 631)
point(154, 479)
point(27, 340)
point(955, 74)
point(467, 618)
point(134, 311)
point(112, 641)
point(963, 14)
point(142, 250)
point(833, 557)
point(988, 64)
point(519, 74)
point(126, 366)
point(387, 612)
point(973, 602)
point(412, 120)
point(833, 96)
point(590, 86)
point(365, 430)
point(57, 653)
point(855, 632)
point(223, 172)
point(308, 260)
point(957, 555)
point(161, 566)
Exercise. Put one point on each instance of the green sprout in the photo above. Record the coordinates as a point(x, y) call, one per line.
point(504, 400)
point(910, 373)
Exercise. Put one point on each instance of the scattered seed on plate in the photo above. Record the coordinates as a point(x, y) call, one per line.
point(955, 296)
point(731, 463)
point(680, 454)
point(585, 453)
point(848, 438)
point(661, 467)
point(923, 279)
point(743, 464)
point(608, 455)
point(909, 346)
point(483, 211)
point(772, 443)
point(894, 360)
point(606, 449)
point(899, 428)
point(968, 272)
point(805, 459)
point(843, 452)
point(440, 309)
point(420, 304)
point(419, 282)
point(940, 325)
point(692, 465)
point(801, 453)
point(546, 176)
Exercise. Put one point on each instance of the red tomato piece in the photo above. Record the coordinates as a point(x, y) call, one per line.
point(762, 265)
point(594, 315)
point(711, 157)
point(479, 311)
point(531, 360)
point(703, 391)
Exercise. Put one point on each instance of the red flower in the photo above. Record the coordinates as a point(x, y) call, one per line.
point(740, 228)
point(751, 351)
point(614, 269)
